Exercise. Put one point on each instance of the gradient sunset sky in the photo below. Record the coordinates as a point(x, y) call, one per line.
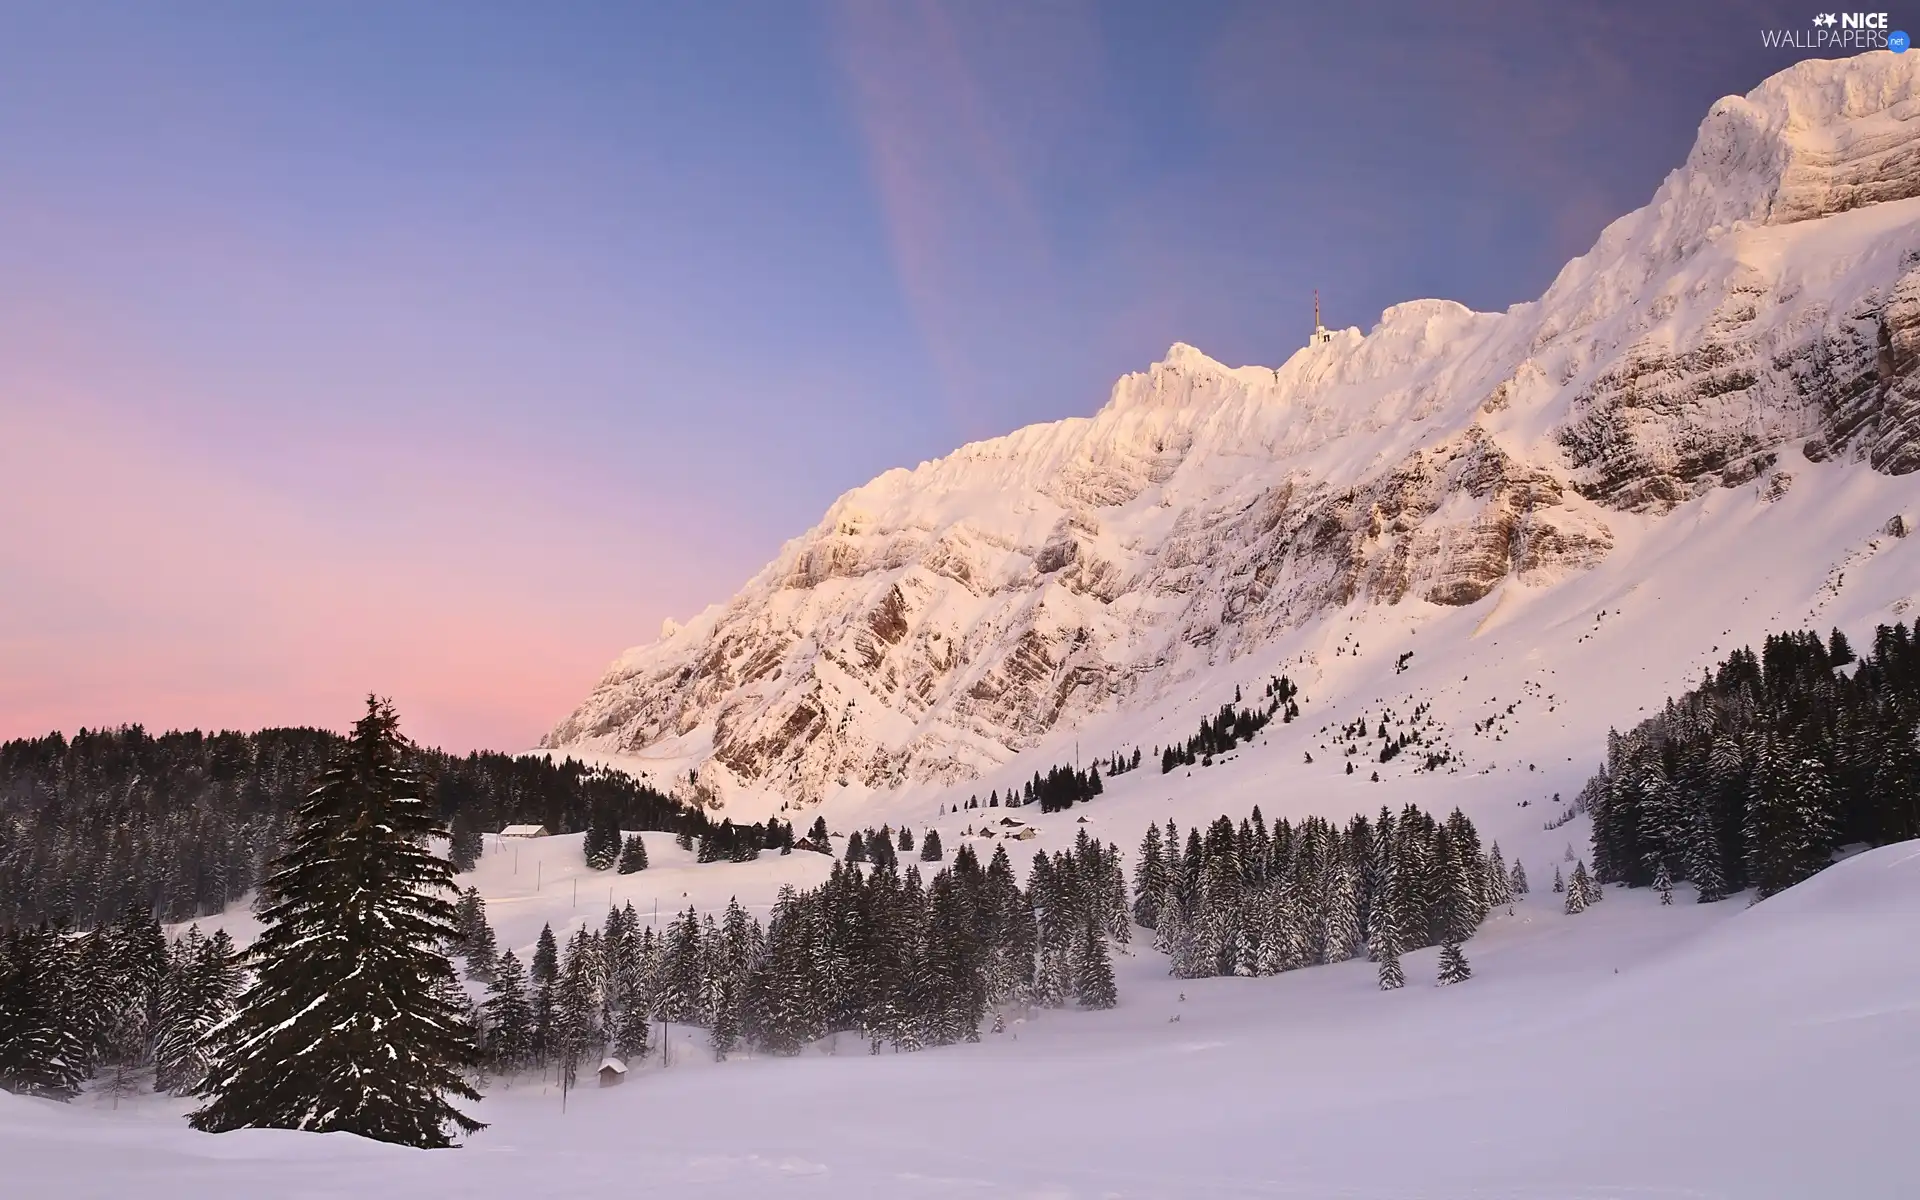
point(441, 350)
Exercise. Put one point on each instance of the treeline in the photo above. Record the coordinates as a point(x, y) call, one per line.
point(878, 952)
point(1247, 900)
point(605, 847)
point(183, 824)
point(120, 1000)
point(1756, 776)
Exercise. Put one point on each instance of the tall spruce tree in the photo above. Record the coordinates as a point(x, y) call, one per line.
point(1579, 893)
point(1093, 971)
point(509, 1017)
point(346, 1025)
point(546, 956)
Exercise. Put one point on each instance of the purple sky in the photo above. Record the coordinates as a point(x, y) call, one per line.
point(442, 350)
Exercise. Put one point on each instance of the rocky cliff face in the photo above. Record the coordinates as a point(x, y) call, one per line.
point(1765, 306)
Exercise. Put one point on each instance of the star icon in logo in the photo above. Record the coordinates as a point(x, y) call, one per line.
point(1825, 19)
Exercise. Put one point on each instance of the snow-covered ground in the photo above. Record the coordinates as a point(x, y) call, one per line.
point(1631, 1051)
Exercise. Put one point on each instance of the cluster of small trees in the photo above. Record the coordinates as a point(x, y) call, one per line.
point(184, 824)
point(1062, 787)
point(1753, 778)
point(120, 999)
point(606, 848)
point(882, 847)
point(1231, 726)
point(601, 991)
point(882, 953)
point(1247, 900)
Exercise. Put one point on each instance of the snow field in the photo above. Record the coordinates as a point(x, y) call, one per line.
point(1631, 1051)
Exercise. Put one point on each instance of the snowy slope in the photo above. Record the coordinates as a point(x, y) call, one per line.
point(1705, 414)
point(1631, 1051)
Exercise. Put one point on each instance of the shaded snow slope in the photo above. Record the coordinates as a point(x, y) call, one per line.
point(1631, 1051)
point(1750, 334)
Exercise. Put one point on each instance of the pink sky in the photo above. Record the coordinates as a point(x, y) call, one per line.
point(147, 580)
point(441, 354)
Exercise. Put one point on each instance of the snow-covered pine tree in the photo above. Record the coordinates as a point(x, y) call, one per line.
point(677, 994)
point(1789, 825)
point(1663, 882)
point(1578, 893)
point(1518, 880)
point(508, 1016)
point(546, 956)
point(633, 855)
point(1050, 980)
point(1453, 964)
point(602, 843)
point(1342, 927)
point(1499, 889)
point(1703, 861)
point(575, 1004)
point(1383, 940)
point(1149, 880)
point(1119, 923)
point(724, 1033)
point(197, 996)
point(482, 952)
point(1559, 884)
point(42, 1052)
point(1093, 973)
point(474, 939)
point(344, 1026)
point(930, 850)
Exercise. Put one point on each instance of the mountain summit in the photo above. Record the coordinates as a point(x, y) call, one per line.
point(1758, 319)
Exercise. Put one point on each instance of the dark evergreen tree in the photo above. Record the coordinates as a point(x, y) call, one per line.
point(43, 1051)
point(508, 1016)
point(546, 956)
point(1453, 964)
point(930, 850)
point(1093, 971)
point(633, 854)
point(345, 1026)
point(198, 994)
point(602, 843)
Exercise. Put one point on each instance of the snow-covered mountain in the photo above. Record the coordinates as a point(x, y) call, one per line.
point(1743, 346)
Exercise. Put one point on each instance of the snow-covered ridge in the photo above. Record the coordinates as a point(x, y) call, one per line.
point(1762, 310)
